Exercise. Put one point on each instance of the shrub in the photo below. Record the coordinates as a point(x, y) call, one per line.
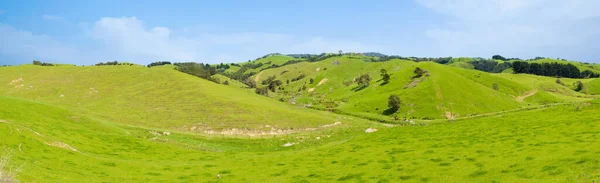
point(419, 72)
point(364, 80)
point(251, 83)
point(226, 82)
point(159, 63)
point(298, 78)
point(495, 86)
point(578, 86)
point(311, 81)
point(262, 91)
point(394, 102)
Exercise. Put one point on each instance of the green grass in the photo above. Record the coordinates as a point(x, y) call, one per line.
point(154, 97)
point(110, 124)
point(557, 144)
point(463, 92)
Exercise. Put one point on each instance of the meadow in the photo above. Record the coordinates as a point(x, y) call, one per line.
point(138, 124)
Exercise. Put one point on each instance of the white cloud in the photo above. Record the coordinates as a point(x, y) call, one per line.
point(52, 17)
point(132, 40)
point(523, 28)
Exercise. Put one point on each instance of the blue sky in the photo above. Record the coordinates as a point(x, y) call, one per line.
point(234, 31)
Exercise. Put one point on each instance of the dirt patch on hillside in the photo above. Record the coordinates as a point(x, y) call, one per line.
point(525, 95)
point(61, 145)
point(323, 81)
point(254, 133)
point(2, 121)
point(257, 77)
point(311, 90)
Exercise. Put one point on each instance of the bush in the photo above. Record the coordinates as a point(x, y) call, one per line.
point(394, 102)
point(495, 86)
point(37, 62)
point(419, 72)
point(298, 78)
point(251, 83)
point(311, 81)
point(226, 82)
point(364, 80)
point(262, 91)
point(159, 63)
point(578, 86)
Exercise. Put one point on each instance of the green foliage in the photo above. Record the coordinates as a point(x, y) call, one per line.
point(419, 72)
point(200, 70)
point(262, 91)
point(363, 80)
point(578, 86)
point(394, 102)
point(113, 63)
point(384, 76)
point(552, 69)
point(251, 83)
point(159, 63)
point(226, 82)
point(36, 62)
point(495, 86)
point(274, 84)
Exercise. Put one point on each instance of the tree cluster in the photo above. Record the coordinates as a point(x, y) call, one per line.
point(200, 70)
point(37, 62)
point(113, 63)
point(159, 63)
point(419, 72)
point(554, 69)
point(489, 65)
point(363, 80)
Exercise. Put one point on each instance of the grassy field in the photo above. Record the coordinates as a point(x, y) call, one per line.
point(138, 124)
point(154, 97)
point(461, 91)
point(557, 144)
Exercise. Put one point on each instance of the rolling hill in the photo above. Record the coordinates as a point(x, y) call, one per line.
point(447, 92)
point(154, 97)
point(137, 124)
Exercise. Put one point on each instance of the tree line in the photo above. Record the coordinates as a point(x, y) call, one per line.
point(554, 69)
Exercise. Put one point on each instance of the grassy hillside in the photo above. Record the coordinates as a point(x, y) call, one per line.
point(556, 144)
point(153, 97)
point(447, 91)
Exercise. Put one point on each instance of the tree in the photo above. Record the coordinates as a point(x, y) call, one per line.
point(340, 52)
point(37, 62)
point(251, 83)
point(419, 72)
point(578, 86)
point(394, 102)
point(364, 80)
point(498, 57)
point(262, 91)
point(274, 84)
point(384, 75)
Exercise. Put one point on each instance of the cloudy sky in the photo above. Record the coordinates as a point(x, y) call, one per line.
point(233, 31)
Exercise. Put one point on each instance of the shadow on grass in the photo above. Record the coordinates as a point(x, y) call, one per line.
point(358, 88)
point(384, 83)
point(390, 111)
